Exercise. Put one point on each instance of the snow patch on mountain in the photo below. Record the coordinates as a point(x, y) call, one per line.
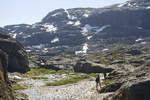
point(20, 33)
point(27, 36)
point(77, 23)
point(69, 16)
point(34, 26)
point(102, 28)
point(27, 26)
point(13, 31)
point(56, 39)
point(148, 7)
point(56, 14)
point(139, 39)
point(143, 42)
point(121, 5)
point(70, 22)
point(87, 28)
point(83, 51)
point(50, 28)
point(128, 4)
point(106, 49)
point(86, 15)
point(39, 46)
point(89, 37)
point(14, 35)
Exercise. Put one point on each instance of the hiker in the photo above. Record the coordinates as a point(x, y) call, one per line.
point(98, 82)
point(105, 74)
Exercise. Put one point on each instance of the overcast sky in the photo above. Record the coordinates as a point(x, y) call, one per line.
point(31, 11)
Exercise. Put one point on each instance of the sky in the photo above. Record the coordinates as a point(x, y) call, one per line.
point(32, 11)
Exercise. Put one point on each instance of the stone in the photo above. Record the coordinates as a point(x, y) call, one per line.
point(111, 87)
point(17, 56)
point(134, 91)
point(6, 92)
point(91, 67)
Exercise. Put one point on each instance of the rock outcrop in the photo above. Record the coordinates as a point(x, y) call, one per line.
point(6, 92)
point(111, 87)
point(17, 56)
point(61, 62)
point(134, 91)
point(91, 67)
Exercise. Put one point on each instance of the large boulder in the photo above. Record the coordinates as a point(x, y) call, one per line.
point(60, 62)
point(91, 67)
point(17, 56)
point(6, 92)
point(134, 91)
point(111, 87)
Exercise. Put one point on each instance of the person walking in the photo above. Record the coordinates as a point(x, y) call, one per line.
point(98, 82)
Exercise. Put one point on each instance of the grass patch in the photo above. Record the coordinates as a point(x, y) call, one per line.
point(34, 72)
point(61, 72)
point(64, 82)
point(19, 87)
point(107, 82)
point(93, 75)
point(38, 78)
point(19, 80)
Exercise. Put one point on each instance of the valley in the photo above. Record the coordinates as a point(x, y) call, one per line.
point(59, 57)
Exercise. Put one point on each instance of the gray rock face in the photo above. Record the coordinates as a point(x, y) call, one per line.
point(61, 62)
point(134, 91)
point(17, 57)
point(90, 67)
point(111, 87)
point(6, 92)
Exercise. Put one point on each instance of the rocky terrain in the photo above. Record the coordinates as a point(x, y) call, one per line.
point(68, 48)
point(17, 56)
point(6, 92)
point(13, 58)
point(127, 70)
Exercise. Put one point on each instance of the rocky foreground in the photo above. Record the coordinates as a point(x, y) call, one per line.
point(38, 91)
point(127, 66)
point(127, 69)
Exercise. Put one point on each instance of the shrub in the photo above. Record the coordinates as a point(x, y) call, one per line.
point(34, 72)
point(38, 78)
point(19, 87)
point(64, 82)
point(107, 82)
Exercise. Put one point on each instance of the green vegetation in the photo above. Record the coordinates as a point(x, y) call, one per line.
point(93, 88)
point(19, 80)
point(2, 76)
point(107, 82)
point(62, 72)
point(19, 87)
point(22, 95)
point(102, 60)
point(34, 72)
point(67, 81)
point(93, 75)
point(38, 78)
point(116, 56)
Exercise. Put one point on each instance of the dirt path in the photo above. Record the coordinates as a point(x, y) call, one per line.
point(83, 90)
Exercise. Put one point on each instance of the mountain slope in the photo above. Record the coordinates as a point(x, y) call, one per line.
point(79, 30)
